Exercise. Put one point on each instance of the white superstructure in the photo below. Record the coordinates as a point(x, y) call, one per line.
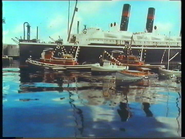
point(116, 37)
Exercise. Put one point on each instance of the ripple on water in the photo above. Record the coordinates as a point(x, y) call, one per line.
point(81, 105)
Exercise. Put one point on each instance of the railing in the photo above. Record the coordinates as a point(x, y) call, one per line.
point(136, 42)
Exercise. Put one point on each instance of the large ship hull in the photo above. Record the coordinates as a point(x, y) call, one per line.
point(91, 53)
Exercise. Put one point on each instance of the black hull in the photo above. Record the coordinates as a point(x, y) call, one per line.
point(91, 54)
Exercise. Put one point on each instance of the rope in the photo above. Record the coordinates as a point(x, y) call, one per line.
point(113, 58)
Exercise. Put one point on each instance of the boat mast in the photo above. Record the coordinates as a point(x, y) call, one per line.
point(68, 17)
point(75, 9)
point(141, 57)
point(128, 48)
point(168, 66)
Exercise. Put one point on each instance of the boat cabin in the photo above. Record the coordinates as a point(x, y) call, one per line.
point(133, 72)
point(126, 59)
point(47, 53)
point(107, 63)
point(47, 56)
point(146, 70)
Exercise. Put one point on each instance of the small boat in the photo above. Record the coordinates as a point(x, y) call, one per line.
point(125, 78)
point(169, 73)
point(57, 67)
point(133, 76)
point(129, 75)
point(64, 62)
point(147, 72)
point(107, 66)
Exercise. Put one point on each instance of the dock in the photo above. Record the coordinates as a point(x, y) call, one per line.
point(88, 67)
point(70, 67)
point(7, 60)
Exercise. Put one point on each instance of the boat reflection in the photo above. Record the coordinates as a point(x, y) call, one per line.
point(100, 90)
point(94, 105)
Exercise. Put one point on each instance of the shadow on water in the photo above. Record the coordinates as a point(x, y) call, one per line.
point(78, 104)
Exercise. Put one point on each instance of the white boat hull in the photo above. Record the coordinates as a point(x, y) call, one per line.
point(123, 79)
point(126, 77)
point(111, 68)
point(165, 72)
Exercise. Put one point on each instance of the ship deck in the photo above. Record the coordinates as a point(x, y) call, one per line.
point(105, 46)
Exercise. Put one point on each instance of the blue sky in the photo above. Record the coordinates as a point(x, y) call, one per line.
point(52, 16)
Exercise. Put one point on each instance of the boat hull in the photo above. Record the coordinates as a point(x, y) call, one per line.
point(122, 79)
point(42, 65)
point(91, 53)
point(169, 73)
point(113, 68)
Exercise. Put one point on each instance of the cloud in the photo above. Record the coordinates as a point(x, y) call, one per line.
point(74, 27)
point(7, 39)
point(164, 28)
point(5, 32)
point(93, 7)
point(7, 35)
point(57, 22)
point(18, 29)
point(90, 7)
point(62, 34)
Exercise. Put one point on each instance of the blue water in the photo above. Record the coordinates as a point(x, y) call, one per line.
point(47, 104)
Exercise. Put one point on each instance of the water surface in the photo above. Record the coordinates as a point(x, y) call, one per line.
point(48, 104)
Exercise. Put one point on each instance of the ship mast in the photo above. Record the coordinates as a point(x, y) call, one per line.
point(168, 66)
point(128, 49)
point(75, 9)
point(68, 17)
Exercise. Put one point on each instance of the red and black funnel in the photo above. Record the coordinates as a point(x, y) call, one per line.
point(125, 17)
point(150, 19)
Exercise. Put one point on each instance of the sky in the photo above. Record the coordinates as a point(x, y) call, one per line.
point(51, 17)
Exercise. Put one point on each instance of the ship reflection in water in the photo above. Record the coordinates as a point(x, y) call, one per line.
point(45, 104)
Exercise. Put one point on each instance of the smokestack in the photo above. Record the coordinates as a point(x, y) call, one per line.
point(150, 19)
point(28, 32)
point(37, 35)
point(77, 27)
point(125, 17)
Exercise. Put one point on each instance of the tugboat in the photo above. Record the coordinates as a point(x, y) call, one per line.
point(47, 56)
point(64, 61)
point(126, 59)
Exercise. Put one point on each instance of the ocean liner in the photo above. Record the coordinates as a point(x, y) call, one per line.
point(149, 46)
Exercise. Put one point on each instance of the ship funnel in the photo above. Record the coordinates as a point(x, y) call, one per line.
point(150, 19)
point(28, 30)
point(125, 17)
